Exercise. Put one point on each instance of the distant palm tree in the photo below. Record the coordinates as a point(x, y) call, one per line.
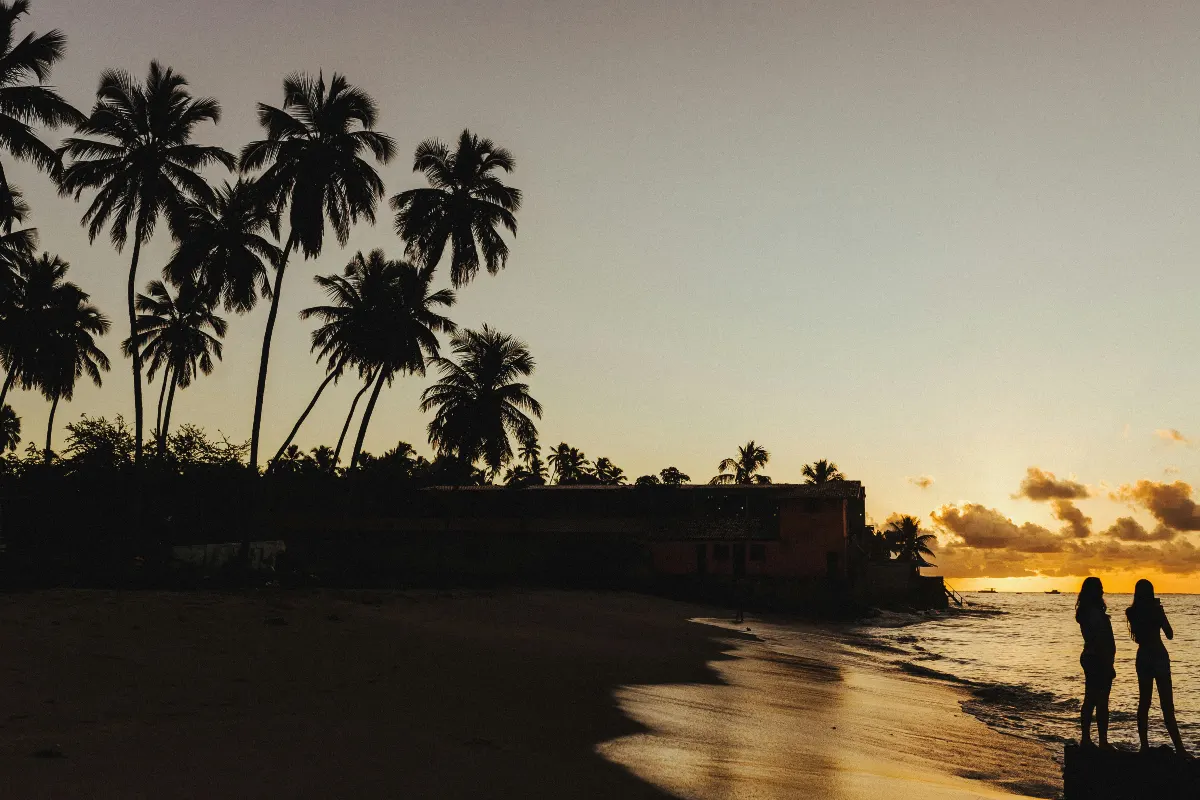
point(10, 429)
point(743, 469)
point(463, 206)
point(822, 471)
point(532, 472)
point(368, 381)
point(313, 167)
point(292, 461)
point(382, 319)
point(174, 335)
point(673, 477)
point(480, 401)
point(907, 541)
point(647, 480)
point(142, 165)
point(608, 473)
point(24, 104)
point(322, 458)
point(222, 246)
point(570, 465)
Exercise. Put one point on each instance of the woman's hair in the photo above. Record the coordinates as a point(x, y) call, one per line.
point(1145, 609)
point(1091, 595)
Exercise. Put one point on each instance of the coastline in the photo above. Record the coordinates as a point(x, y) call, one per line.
point(468, 694)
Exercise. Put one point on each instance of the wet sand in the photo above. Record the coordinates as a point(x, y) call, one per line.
point(462, 695)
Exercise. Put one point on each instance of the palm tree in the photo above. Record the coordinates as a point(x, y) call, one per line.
point(322, 458)
point(463, 206)
point(313, 167)
point(673, 477)
point(24, 104)
point(743, 469)
point(906, 540)
point(10, 429)
point(608, 473)
point(479, 400)
point(382, 320)
point(142, 165)
point(822, 471)
point(570, 465)
point(174, 335)
point(368, 382)
point(222, 246)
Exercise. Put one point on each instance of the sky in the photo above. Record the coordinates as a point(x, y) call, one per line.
point(940, 243)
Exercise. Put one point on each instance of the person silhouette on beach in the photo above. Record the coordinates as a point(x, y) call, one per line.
point(1146, 618)
point(1099, 653)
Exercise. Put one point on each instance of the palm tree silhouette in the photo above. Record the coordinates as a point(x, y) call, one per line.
point(822, 471)
point(222, 246)
point(143, 165)
point(322, 458)
point(368, 382)
point(570, 465)
point(174, 335)
point(479, 400)
point(608, 473)
point(743, 469)
point(907, 541)
point(532, 472)
point(24, 104)
point(313, 167)
point(463, 206)
point(10, 429)
point(673, 477)
point(382, 320)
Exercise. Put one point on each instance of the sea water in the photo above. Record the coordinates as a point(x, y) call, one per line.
point(1018, 654)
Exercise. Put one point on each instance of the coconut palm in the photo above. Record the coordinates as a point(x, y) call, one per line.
point(368, 381)
point(822, 471)
point(382, 319)
point(673, 477)
point(744, 468)
point(142, 163)
point(180, 335)
point(463, 206)
point(608, 473)
point(480, 401)
point(907, 541)
point(322, 458)
point(24, 103)
point(313, 167)
point(10, 429)
point(570, 465)
point(223, 247)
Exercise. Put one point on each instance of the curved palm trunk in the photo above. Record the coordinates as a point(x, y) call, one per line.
point(162, 394)
point(8, 382)
point(50, 429)
point(345, 428)
point(131, 297)
point(266, 353)
point(312, 404)
point(170, 402)
point(362, 429)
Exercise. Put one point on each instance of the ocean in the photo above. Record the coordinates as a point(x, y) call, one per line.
point(1019, 656)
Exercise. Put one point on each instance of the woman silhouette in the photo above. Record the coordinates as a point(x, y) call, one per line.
point(1099, 651)
point(1146, 618)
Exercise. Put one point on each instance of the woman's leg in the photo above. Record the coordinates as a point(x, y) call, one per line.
point(1102, 713)
point(1145, 688)
point(1085, 716)
point(1166, 698)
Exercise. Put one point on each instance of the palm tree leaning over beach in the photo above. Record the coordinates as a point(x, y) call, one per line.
point(25, 103)
point(744, 468)
point(907, 541)
point(822, 471)
point(313, 167)
point(136, 151)
point(463, 206)
point(480, 401)
point(179, 335)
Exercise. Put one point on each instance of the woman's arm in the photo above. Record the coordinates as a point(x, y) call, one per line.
point(1166, 626)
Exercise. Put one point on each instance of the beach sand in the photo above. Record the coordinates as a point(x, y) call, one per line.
point(296, 694)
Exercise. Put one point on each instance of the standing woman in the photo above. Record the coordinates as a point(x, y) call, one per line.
point(1099, 652)
point(1146, 618)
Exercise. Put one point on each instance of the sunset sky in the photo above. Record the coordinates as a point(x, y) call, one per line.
point(939, 243)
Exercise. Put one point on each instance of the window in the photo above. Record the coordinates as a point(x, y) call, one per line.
point(758, 552)
point(721, 552)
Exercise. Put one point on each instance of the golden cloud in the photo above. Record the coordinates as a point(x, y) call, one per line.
point(1171, 435)
point(921, 481)
point(1040, 485)
point(1170, 503)
point(1078, 525)
point(1128, 529)
point(983, 528)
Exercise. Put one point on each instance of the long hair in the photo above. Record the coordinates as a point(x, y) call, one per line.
point(1145, 609)
point(1091, 595)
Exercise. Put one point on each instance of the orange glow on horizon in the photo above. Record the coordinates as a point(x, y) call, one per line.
point(1115, 583)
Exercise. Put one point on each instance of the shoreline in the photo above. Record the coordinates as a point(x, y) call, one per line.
point(465, 694)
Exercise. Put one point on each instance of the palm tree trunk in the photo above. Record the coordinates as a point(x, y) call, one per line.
point(162, 394)
point(170, 402)
point(312, 404)
point(8, 382)
point(266, 353)
point(366, 420)
point(131, 297)
point(50, 429)
point(345, 428)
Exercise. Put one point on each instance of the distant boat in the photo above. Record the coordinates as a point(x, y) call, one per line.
point(987, 591)
point(1054, 591)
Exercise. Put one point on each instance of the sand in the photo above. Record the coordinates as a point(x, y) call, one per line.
point(322, 694)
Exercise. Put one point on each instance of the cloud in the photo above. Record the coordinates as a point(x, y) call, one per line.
point(1078, 525)
point(921, 481)
point(1128, 529)
point(1170, 470)
point(1040, 486)
point(1170, 503)
point(1173, 436)
point(985, 528)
